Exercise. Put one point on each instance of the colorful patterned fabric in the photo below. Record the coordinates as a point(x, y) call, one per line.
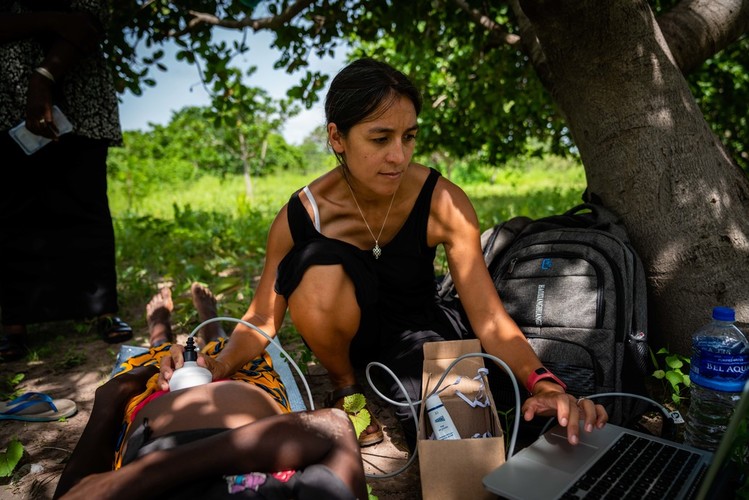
point(255, 480)
point(258, 372)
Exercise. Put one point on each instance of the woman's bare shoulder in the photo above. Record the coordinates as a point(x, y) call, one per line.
point(449, 195)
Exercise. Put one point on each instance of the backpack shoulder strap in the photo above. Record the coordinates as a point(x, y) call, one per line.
point(496, 240)
point(600, 217)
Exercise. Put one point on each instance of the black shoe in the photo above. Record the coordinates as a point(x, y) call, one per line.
point(13, 347)
point(113, 330)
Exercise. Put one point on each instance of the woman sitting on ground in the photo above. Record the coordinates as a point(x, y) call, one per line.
point(351, 256)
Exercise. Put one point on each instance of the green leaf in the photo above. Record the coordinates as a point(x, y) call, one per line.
point(674, 362)
point(354, 403)
point(675, 378)
point(659, 374)
point(10, 458)
point(361, 421)
point(371, 495)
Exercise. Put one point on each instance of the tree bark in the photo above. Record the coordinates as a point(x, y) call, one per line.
point(697, 29)
point(651, 157)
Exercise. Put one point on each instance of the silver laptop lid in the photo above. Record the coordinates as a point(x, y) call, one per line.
point(551, 465)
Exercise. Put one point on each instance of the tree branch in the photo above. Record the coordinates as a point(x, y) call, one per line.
point(271, 22)
point(487, 23)
point(532, 47)
point(697, 29)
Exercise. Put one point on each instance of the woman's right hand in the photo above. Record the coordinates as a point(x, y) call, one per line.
point(174, 361)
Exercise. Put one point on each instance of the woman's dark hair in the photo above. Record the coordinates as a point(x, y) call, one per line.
point(361, 88)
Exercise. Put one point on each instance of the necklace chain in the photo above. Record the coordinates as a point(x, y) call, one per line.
point(376, 251)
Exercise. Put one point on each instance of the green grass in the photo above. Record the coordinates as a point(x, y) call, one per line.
point(209, 194)
point(207, 231)
point(534, 188)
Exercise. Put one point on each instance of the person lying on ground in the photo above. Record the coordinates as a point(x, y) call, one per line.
point(208, 440)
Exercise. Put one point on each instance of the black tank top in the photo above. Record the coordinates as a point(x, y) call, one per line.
point(401, 283)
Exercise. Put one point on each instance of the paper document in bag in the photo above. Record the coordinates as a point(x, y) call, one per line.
point(31, 143)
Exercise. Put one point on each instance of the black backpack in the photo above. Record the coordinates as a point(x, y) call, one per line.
point(576, 288)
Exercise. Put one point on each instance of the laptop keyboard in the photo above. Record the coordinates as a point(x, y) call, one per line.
point(636, 468)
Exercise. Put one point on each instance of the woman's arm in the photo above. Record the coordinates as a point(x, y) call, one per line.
point(455, 225)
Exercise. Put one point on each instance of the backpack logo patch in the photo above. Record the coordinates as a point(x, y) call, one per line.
point(546, 264)
point(540, 305)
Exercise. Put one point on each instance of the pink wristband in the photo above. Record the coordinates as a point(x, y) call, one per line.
point(542, 374)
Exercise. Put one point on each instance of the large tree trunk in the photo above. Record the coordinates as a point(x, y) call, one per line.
point(651, 157)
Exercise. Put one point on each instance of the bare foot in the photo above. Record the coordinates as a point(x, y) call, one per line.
point(158, 315)
point(205, 303)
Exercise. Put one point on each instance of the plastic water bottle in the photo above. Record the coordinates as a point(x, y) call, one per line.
point(719, 369)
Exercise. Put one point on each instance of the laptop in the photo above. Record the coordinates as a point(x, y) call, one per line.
point(552, 468)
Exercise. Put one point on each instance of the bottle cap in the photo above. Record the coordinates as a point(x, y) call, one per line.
point(432, 401)
point(721, 313)
point(191, 352)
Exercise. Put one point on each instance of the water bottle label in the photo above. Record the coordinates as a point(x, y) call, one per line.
point(722, 372)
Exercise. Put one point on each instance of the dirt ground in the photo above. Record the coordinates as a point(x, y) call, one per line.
point(81, 362)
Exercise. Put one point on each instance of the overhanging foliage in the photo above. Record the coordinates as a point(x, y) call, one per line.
point(469, 57)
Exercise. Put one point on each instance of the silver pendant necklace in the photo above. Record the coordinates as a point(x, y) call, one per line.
point(376, 251)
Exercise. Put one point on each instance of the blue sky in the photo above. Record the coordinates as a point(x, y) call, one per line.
point(180, 86)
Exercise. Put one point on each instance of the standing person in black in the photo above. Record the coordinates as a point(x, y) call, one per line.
point(351, 256)
point(57, 252)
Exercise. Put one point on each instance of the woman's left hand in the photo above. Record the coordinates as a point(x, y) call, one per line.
point(567, 408)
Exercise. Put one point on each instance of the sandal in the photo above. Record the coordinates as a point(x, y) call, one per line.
point(373, 433)
point(37, 407)
point(113, 330)
point(13, 347)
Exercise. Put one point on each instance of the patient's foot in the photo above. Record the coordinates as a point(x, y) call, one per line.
point(205, 303)
point(158, 315)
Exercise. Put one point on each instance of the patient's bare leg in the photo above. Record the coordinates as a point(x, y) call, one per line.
point(158, 316)
point(95, 449)
point(205, 303)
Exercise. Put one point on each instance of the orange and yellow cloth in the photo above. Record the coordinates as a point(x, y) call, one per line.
point(258, 372)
